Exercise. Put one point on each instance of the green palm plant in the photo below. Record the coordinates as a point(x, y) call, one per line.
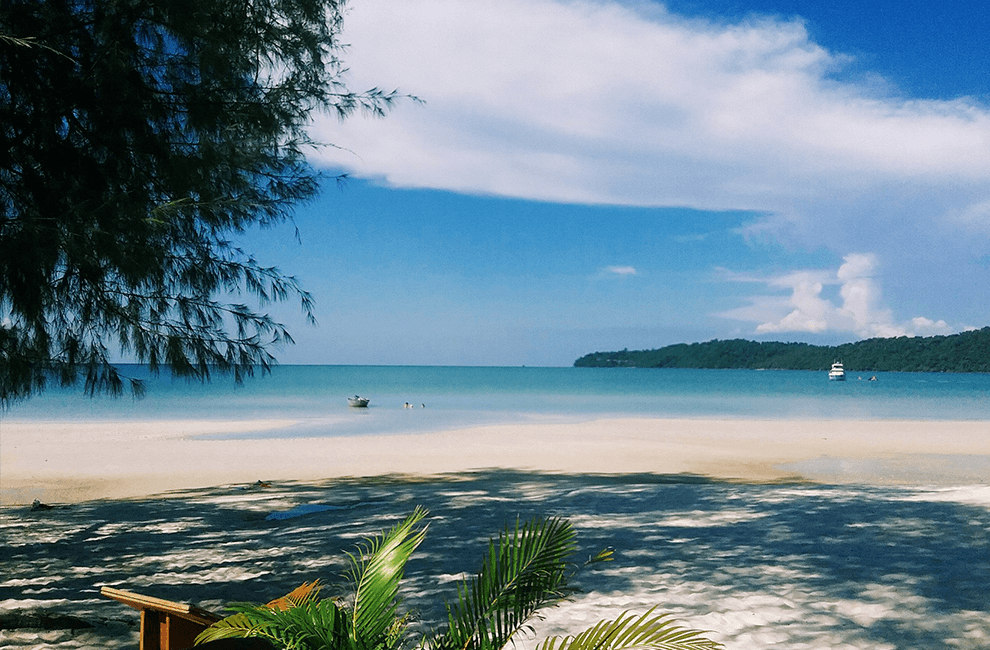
point(302, 620)
point(525, 570)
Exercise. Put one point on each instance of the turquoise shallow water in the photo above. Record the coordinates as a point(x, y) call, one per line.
point(463, 396)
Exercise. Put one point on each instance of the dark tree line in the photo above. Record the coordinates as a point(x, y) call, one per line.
point(965, 352)
point(136, 136)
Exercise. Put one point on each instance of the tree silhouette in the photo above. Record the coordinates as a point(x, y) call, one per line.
point(138, 136)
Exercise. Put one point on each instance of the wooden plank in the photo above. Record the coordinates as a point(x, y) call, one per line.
point(180, 633)
point(151, 630)
point(165, 625)
point(142, 603)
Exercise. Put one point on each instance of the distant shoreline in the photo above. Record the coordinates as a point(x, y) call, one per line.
point(78, 461)
point(967, 352)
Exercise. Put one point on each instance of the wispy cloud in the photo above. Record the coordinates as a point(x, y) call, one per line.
point(616, 103)
point(861, 310)
point(620, 270)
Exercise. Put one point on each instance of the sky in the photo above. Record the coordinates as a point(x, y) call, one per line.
point(596, 175)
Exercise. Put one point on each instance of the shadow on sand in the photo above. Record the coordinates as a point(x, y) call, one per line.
point(792, 564)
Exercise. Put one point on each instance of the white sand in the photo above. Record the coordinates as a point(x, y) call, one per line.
point(73, 461)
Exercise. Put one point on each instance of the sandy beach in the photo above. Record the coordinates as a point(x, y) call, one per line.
point(76, 461)
point(878, 541)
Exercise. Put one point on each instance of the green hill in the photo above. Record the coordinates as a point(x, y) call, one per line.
point(966, 352)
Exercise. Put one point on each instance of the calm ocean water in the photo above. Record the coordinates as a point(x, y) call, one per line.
point(464, 396)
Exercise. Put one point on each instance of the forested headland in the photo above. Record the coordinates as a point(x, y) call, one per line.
point(965, 352)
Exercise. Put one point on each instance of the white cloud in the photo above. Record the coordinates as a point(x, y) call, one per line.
point(810, 313)
point(922, 326)
point(620, 270)
point(605, 101)
point(805, 310)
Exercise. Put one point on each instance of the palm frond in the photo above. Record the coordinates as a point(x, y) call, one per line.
point(650, 631)
point(526, 569)
point(311, 625)
point(604, 555)
point(375, 573)
point(238, 625)
point(524, 572)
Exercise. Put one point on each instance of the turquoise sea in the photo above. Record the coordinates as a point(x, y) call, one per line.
point(447, 397)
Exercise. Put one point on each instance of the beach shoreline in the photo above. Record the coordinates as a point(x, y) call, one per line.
point(66, 462)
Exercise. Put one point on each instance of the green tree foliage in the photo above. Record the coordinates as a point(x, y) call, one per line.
point(965, 352)
point(137, 137)
point(525, 570)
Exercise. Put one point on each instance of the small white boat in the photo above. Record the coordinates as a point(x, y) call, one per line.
point(358, 401)
point(837, 373)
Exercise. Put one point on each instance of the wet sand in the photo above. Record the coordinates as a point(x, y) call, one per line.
point(69, 462)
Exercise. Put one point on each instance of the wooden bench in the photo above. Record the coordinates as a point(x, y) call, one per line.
point(165, 625)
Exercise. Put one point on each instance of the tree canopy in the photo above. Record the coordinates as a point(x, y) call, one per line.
point(138, 137)
point(965, 352)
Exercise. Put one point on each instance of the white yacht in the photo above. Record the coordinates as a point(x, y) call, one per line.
point(837, 373)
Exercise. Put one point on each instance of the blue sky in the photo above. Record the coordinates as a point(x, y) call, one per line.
point(602, 175)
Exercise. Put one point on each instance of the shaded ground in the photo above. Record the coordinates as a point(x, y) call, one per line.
point(794, 565)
